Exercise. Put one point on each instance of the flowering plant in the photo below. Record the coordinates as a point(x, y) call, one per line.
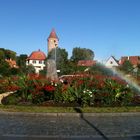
point(85, 90)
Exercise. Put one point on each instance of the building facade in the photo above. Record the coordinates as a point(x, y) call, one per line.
point(111, 62)
point(37, 59)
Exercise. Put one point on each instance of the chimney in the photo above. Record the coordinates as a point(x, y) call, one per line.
point(128, 57)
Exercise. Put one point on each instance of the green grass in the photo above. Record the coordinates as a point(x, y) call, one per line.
point(40, 109)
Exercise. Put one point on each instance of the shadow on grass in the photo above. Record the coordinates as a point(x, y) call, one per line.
point(78, 110)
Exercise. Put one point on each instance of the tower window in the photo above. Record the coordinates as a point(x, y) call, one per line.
point(54, 41)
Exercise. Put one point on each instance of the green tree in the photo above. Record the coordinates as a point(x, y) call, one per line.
point(9, 54)
point(14, 71)
point(21, 62)
point(82, 54)
point(127, 67)
point(61, 57)
point(30, 69)
point(4, 68)
point(2, 55)
point(138, 70)
point(43, 72)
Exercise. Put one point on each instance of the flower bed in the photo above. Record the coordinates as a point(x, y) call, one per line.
point(84, 90)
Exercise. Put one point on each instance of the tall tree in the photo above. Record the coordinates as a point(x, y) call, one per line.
point(4, 68)
point(127, 67)
point(10, 54)
point(61, 57)
point(2, 55)
point(21, 60)
point(30, 69)
point(82, 54)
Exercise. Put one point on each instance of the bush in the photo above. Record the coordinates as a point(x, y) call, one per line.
point(84, 90)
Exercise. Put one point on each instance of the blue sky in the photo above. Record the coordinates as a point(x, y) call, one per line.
point(108, 27)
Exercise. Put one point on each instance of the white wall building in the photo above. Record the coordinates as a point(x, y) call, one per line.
point(37, 59)
point(111, 62)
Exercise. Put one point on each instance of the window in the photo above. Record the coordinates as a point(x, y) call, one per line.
point(34, 61)
point(111, 62)
point(40, 62)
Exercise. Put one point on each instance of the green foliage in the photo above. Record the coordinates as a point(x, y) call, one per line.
point(7, 54)
point(2, 55)
point(82, 54)
point(59, 53)
point(127, 67)
point(21, 62)
point(100, 69)
point(58, 93)
point(69, 68)
point(4, 68)
point(10, 54)
point(23, 84)
point(61, 57)
point(14, 71)
point(43, 72)
point(30, 69)
point(86, 90)
point(11, 100)
point(38, 98)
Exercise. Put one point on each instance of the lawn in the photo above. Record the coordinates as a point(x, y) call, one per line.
point(41, 109)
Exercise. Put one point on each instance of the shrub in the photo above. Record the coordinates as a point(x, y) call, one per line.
point(84, 90)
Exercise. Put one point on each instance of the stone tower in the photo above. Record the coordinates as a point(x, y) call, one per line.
point(52, 40)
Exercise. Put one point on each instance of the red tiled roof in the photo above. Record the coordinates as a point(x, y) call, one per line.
point(37, 55)
point(123, 59)
point(53, 34)
point(86, 62)
point(134, 60)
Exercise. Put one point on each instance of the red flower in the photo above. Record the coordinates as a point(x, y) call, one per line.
point(49, 88)
point(105, 94)
point(13, 88)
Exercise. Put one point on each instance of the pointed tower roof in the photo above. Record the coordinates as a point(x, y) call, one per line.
point(53, 34)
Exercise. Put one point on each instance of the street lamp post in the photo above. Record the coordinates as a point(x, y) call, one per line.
point(55, 55)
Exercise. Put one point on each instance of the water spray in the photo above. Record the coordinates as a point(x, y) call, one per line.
point(131, 81)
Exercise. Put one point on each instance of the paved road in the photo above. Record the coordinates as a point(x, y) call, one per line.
point(34, 127)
